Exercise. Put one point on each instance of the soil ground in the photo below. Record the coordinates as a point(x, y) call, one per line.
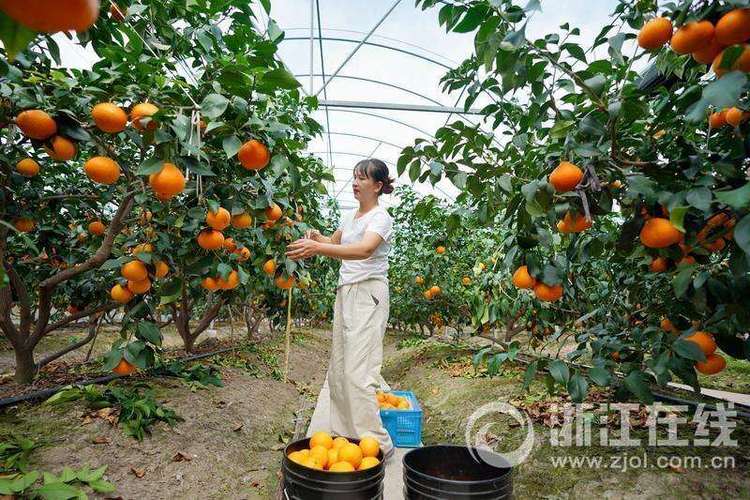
point(229, 444)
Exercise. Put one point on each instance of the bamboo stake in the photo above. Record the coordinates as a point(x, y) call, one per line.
point(288, 333)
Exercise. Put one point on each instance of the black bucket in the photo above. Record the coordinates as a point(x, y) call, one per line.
point(303, 483)
point(455, 473)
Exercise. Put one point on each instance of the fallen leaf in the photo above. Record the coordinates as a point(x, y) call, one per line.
point(238, 427)
point(139, 473)
point(104, 412)
point(102, 440)
point(181, 457)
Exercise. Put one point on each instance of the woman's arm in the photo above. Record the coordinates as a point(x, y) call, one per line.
point(314, 234)
point(306, 248)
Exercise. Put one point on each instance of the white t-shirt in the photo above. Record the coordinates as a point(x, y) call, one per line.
point(353, 230)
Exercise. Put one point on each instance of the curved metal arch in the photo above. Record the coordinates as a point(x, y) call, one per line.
point(341, 110)
point(379, 82)
point(373, 44)
point(368, 137)
point(384, 38)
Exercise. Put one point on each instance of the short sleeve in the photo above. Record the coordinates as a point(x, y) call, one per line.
point(382, 224)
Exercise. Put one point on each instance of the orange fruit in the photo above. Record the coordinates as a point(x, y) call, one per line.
point(369, 446)
point(97, 228)
point(35, 123)
point(658, 232)
point(244, 254)
point(658, 265)
point(229, 245)
point(466, 281)
point(574, 223)
point(312, 463)
point(296, 457)
point(522, 278)
point(218, 220)
point(273, 213)
point(735, 116)
point(435, 290)
point(254, 155)
point(704, 340)
point(161, 269)
point(284, 284)
point(232, 281)
point(135, 270)
point(141, 111)
point(24, 224)
point(143, 247)
point(124, 368)
point(269, 267)
point(403, 405)
point(655, 33)
point(338, 442)
point(440, 250)
point(718, 119)
point(62, 149)
point(121, 294)
point(210, 239)
point(667, 325)
point(52, 16)
point(209, 283)
point(733, 27)
point(341, 467)
point(547, 293)
point(742, 63)
point(109, 117)
point(368, 462)
point(692, 36)
point(167, 182)
point(351, 453)
point(139, 287)
point(321, 438)
point(242, 221)
point(320, 454)
point(714, 364)
point(102, 170)
point(686, 260)
point(565, 177)
point(419, 280)
point(333, 456)
point(708, 53)
point(716, 246)
point(427, 294)
point(27, 167)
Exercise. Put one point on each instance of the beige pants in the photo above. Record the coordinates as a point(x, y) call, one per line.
point(346, 405)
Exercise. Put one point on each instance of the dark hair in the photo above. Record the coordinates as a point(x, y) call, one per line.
point(375, 169)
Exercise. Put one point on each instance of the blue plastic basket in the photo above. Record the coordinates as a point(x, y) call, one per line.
point(404, 426)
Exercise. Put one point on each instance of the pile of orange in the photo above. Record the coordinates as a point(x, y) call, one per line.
point(432, 292)
point(731, 116)
point(231, 282)
point(390, 401)
point(704, 41)
point(573, 223)
point(338, 454)
point(714, 362)
point(522, 279)
point(137, 275)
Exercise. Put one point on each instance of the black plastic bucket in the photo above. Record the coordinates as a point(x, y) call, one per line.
point(455, 473)
point(303, 483)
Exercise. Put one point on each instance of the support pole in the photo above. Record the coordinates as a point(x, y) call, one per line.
point(288, 333)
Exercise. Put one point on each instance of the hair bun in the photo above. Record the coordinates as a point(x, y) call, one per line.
point(387, 186)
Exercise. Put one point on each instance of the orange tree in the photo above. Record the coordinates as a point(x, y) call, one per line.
point(626, 191)
point(113, 177)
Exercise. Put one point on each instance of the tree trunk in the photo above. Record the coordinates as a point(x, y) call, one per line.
point(25, 366)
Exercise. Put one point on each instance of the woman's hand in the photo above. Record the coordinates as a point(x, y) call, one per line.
point(303, 248)
point(314, 234)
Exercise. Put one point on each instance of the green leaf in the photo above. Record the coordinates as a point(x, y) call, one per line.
point(150, 166)
point(101, 486)
point(737, 198)
point(637, 384)
point(681, 282)
point(58, 491)
point(528, 375)
point(600, 376)
point(514, 39)
point(281, 78)
point(575, 51)
point(14, 36)
point(214, 105)
point(231, 145)
point(742, 234)
point(150, 332)
point(688, 349)
point(722, 93)
point(700, 198)
point(677, 217)
point(559, 371)
point(578, 388)
point(24, 481)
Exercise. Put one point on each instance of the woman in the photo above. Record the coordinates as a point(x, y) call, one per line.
point(347, 405)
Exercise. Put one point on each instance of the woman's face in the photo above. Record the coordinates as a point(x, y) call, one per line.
point(365, 188)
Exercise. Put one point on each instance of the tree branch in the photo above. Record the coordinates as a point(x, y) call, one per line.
point(76, 316)
point(93, 328)
point(23, 298)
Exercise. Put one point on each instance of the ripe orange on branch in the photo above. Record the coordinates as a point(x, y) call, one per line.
point(27, 167)
point(704, 340)
point(62, 149)
point(522, 278)
point(733, 27)
point(109, 117)
point(218, 220)
point(102, 170)
point(24, 224)
point(121, 294)
point(168, 182)
point(97, 227)
point(139, 287)
point(717, 119)
point(284, 284)
point(161, 269)
point(51, 16)
point(658, 232)
point(242, 221)
point(735, 116)
point(742, 63)
point(35, 123)
point(124, 368)
point(210, 239)
point(254, 155)
point(273, 213)
point(658, 265)
point(140, 112)
point(269, 267)
point(655, 33)
point(565, 177)
point(547, 293)
point(692, 36)
point(714, 364)
point(135, 270)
